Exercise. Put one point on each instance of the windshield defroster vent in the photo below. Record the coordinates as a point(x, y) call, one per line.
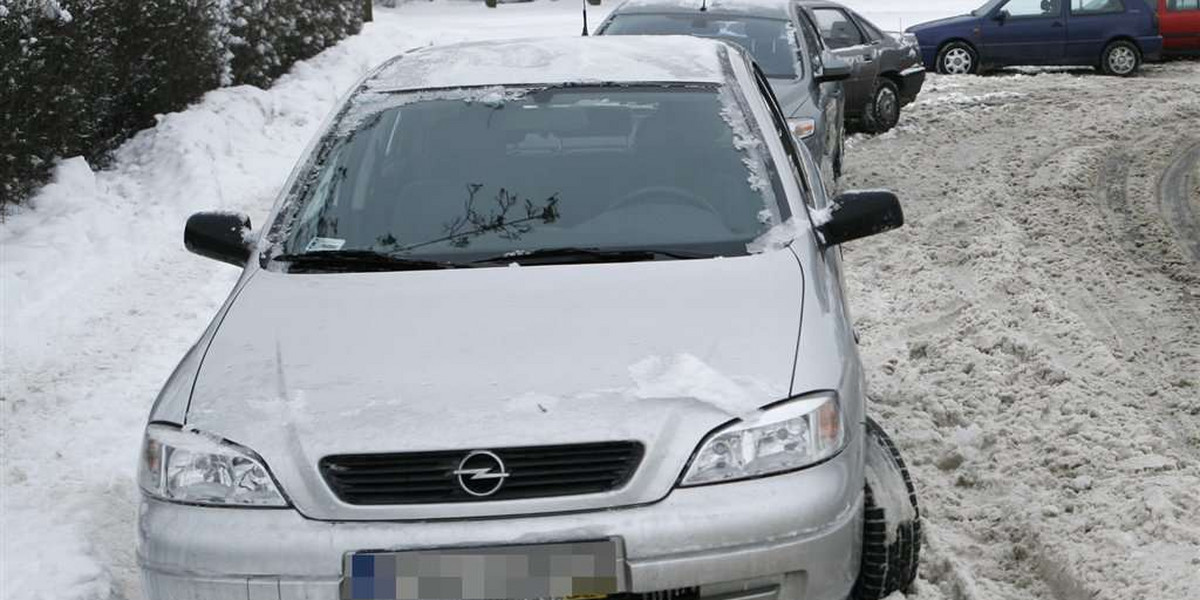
point(481, 475)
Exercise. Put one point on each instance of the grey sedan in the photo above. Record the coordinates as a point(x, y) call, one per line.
point(888, 72)
point(805, 79)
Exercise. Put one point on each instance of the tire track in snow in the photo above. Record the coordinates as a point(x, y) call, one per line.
point(1175, 191)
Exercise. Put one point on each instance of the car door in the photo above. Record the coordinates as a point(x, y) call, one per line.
point(1025, 32)
point(1092, 24)
point(828, 95)
point(1180, 25)
point(848, 42)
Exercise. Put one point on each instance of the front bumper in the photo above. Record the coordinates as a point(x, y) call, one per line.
point(788, 537)
point(911, 82)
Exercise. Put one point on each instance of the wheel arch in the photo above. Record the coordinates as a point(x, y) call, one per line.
point(1124, 37)
point(962, 40)
point(894, 77)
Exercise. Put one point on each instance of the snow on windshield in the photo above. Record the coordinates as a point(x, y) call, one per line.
point(476, 173)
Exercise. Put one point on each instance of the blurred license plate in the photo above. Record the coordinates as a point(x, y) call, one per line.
point(576, 570)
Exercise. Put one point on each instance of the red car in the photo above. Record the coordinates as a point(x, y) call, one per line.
point(1180, 26)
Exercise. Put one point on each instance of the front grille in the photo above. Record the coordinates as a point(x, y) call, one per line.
point(429, 477)
point(692, 593)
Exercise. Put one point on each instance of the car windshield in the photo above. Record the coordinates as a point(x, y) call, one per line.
point(769, 41)
point(465, 179)
point(987, 7)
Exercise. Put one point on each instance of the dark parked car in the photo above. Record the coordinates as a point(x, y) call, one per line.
point(888, 72)
point(805, 78)
point(1115, 36)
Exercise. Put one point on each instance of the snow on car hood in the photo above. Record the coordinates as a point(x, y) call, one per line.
point(627, 59)
point(306, 366)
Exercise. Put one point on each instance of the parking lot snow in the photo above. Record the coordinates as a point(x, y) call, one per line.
point(1031, 335)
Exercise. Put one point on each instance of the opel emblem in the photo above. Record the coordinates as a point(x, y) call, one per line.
point(481, 473)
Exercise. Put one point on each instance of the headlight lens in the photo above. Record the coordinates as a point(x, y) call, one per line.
point(186, 466)
point(802, 128)
point(783, 438)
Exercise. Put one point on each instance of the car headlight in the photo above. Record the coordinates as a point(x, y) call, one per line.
point(785, 437)
point(194, 468)
point(802, 128)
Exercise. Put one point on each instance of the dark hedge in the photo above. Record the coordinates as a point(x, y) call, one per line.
point(78, 77)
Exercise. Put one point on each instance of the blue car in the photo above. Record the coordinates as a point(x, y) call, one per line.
point(1114, 36)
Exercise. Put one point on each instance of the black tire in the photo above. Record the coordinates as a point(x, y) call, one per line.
point(883, 109)
point(887, 568)
point(958, 58)
point(1121, 58)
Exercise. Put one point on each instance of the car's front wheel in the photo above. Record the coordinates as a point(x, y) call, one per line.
point(1121, 58)
point(957, 58)
point(891, 546)
point(883, 110)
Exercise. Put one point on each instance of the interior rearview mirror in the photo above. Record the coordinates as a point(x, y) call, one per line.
point(220, 236)
point(856, 215)
point(834, 69)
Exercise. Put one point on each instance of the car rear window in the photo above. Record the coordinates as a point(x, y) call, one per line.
point(610, 167)
point(770, 41)
point(1179, 5)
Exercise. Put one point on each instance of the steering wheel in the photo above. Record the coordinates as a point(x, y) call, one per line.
point(664, 194)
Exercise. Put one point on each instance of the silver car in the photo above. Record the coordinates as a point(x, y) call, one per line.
point(804, 75)
point(534, 319)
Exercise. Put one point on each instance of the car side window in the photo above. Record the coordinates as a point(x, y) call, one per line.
point(837, 28)
point(1033, 8)
point(785, 136)
point(1182, 5)
point(871, 31)
point(1096, 7)
point(812, 42)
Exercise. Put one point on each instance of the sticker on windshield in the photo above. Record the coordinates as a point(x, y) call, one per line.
point(322, 244)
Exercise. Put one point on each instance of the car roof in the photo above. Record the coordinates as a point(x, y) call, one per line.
point(749, 8)
point(821, 4)
point(558, 61)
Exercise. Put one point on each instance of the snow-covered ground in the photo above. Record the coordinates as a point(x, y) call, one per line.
point(1032, 334)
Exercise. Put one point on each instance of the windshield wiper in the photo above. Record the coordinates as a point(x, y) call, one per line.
point(360, 260)
point(595, 255)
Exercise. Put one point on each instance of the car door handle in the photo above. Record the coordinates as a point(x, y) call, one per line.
point(868, 58)
point(1057, 24)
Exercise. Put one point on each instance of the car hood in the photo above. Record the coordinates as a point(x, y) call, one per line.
point(940, 24)
point(306, 366)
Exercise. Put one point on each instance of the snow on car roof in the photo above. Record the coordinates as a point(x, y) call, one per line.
point(757, 8)
point(616, 59)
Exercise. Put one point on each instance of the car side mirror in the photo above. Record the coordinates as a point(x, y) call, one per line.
point(594, 2)
point(834, 69)
point(220, 236)
point(1001, 16)
point(856, 215)
point(490, 3)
